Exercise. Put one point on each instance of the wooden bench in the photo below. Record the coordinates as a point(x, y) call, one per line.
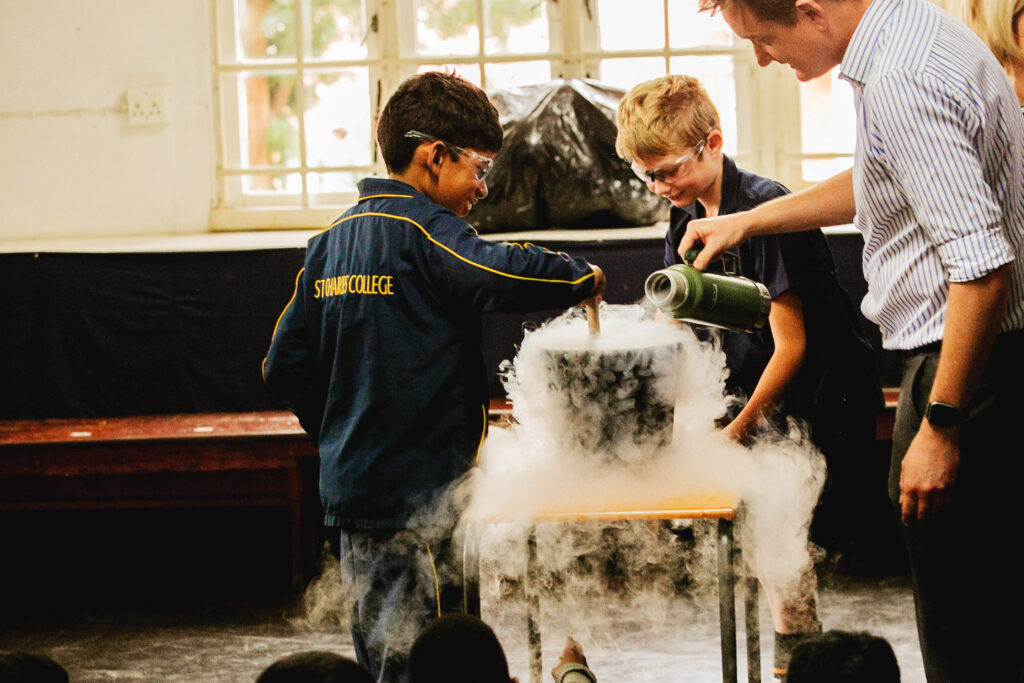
point(260, 459)
point(167, 461)
point(887, 418)
point(254, 459)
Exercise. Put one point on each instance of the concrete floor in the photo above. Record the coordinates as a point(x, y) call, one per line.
point(685, 647)
point(203, 596)
point(233, 639)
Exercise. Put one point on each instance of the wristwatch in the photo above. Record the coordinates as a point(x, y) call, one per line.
point(943, 414)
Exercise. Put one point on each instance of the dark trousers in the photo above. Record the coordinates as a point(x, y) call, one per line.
point(399, 580)
point(967, 582)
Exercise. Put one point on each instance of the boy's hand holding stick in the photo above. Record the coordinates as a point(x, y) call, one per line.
point(593, 320)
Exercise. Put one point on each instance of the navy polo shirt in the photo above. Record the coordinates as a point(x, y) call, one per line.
point(799, 262)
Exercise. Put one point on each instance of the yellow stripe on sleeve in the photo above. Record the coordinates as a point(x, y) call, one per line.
point(463, 258)
point(283, 311)
point(263, 365)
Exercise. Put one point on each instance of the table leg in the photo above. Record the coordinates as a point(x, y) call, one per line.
point(750, 608)
point(533, 608)
point(727, 600)
point(471, 569)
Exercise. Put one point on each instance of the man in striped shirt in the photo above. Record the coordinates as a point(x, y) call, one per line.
point(937, 190)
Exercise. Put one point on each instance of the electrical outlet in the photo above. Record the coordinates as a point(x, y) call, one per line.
point(147, 106)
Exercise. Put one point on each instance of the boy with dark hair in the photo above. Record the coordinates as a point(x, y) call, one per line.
point(379, 354)
point(315, 666)
point(25, 667)
point(441, 104)
point(458, 648)
point(844, 657)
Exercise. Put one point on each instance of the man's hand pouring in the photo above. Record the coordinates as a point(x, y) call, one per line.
point(830, 202)
point(716, 234)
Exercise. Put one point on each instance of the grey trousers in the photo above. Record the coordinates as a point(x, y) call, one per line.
point(399, 580)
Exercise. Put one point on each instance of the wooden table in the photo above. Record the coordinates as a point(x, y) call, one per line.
point(167, 461)
point(694, 506)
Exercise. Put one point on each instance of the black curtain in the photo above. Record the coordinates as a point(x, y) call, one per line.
point(105, 335)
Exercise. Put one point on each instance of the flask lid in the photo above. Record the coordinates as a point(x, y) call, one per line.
point(725, 264)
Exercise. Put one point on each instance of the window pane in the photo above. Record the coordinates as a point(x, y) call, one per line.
point(266, 28)
point(452, 27)
point(516, 27)
point(687, 27)
point(827, 115)
point(827, 124)
point(337, 29)
point(625, 73)
point(338, 127)
point(716, 74)
point(815, 170)
point(633, 25)
point(447, 27)
point(471, 72)
point(331, 185)
point(266, 183)
point(273, 130)
point(511, 74)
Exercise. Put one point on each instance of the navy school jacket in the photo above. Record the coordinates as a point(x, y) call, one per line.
point(379, 351)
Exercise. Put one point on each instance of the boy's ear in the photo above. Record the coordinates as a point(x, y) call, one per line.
point(715, 141)
point(434, 156)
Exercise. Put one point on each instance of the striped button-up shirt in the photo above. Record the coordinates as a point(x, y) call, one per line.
point(939, 167)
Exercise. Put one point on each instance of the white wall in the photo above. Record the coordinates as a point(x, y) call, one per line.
point(70, 165)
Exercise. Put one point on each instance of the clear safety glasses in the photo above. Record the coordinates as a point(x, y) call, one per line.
point(483, 164)
point(669, 171)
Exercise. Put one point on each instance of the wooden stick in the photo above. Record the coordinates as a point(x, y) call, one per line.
point(593, 321)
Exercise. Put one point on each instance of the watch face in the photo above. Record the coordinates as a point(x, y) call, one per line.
point(943, 415)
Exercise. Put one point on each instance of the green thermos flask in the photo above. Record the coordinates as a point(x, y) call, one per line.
point(728, 301)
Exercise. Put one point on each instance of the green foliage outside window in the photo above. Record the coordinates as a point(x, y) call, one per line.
point(270, 33)
point(452, 18)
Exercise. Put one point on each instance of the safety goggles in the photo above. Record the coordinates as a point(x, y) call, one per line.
point(669, 171)
point(483, 164)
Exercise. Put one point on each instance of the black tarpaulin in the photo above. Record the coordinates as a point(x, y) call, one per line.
point(558, 166)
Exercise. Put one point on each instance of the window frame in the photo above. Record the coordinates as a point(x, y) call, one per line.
point(768, 139)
